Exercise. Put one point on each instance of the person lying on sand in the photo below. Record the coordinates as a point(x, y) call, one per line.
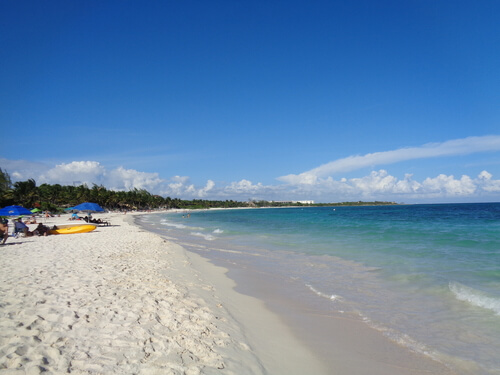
point(95, 221)
point(41, 230)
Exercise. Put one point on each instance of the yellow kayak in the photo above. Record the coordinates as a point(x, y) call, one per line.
point(70, 229)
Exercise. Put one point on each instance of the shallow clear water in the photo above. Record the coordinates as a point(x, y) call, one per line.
point(427, 276)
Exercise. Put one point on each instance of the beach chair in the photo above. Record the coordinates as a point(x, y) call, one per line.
point(19, 228)
point(17, 231)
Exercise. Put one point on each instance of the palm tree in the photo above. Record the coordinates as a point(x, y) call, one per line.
point(6, 192)
point(51, 194)
point(82, 194)
point(26, 193)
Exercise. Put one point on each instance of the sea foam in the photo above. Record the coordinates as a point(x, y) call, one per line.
point(207, 237)
point(174, 225)
point(475, 297)
point(331, 297)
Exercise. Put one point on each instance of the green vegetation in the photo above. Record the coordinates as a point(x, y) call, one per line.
point(57, 197)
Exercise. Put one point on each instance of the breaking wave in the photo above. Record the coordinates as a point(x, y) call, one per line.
point(331, 297)
point(475, 297)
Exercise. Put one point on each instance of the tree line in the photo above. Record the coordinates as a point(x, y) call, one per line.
point(55, 198)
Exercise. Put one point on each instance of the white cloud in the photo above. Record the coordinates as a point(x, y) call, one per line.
point(76, 172)
point(180, 186)
point(376, 182)
point(454, 147)
point(449, 186)
point(487, 183)
point(485, 176)
point(92, 172)
point(81, 172)
point(208, 187)
point(241, 190)
point(380, 185)
point(243, 187)
point(127, 179)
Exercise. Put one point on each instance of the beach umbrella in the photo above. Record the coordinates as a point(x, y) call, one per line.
point(14, 211)
point(35, 210)
point(89, 207)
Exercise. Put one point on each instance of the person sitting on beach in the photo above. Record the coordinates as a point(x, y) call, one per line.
point(99, 221)
point(4, 230)
point(20, 227)
point(41, 230)
point(31, 220)
point(95, 221)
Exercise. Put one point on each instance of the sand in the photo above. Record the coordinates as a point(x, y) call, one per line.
point(121, 300)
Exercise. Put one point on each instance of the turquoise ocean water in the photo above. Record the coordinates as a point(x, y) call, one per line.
point(426, 276)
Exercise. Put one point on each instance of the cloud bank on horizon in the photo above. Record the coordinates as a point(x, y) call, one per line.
point(449, 148)
point(317, 183)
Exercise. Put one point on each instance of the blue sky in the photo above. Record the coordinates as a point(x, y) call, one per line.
point(321, 100)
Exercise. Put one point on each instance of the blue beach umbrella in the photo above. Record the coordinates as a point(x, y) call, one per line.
point(90, 207)
point(14, 211)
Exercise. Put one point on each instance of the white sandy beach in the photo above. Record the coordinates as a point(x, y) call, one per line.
point(121, 300)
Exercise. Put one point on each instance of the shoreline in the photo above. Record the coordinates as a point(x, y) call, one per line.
point(122, 299)
point(343, 344)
